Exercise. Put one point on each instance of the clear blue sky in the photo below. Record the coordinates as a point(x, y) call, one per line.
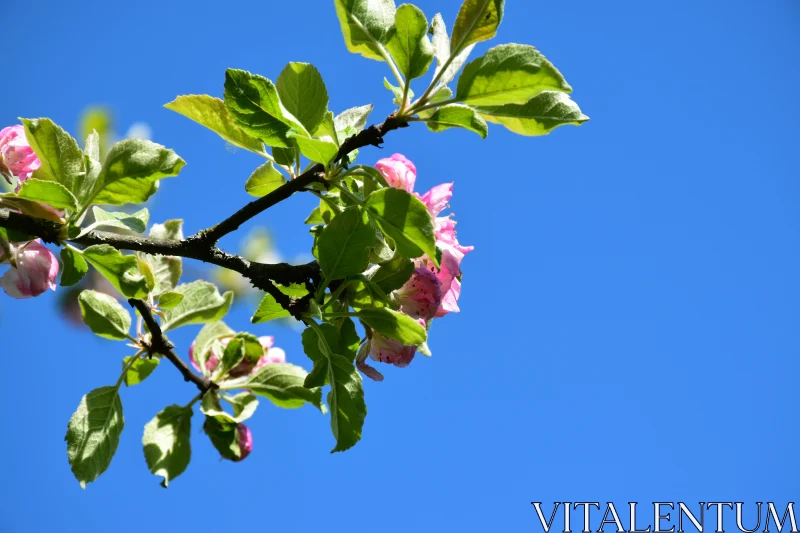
point(629, 326)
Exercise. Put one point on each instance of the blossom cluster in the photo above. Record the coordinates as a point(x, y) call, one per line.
point(431, 292)
point(34, 268)
point(272, 354)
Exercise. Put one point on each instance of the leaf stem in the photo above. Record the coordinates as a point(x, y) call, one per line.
point(127, 367)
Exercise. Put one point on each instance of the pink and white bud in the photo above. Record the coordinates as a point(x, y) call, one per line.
point(421, 296)
point(17, 158)
point(386, 350)
point(398, 171)
point(245, 440)
point(34, 269)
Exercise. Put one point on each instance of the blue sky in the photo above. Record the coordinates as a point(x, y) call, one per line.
point(629, 316)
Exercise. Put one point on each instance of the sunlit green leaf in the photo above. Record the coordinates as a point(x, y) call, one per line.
point(202, 303)
point(365, 25)
point(264, 180)
point(409, 43)
point(302, 92)
point(104, 315)
point(540, 116)
point(477, 21)
point(93, 434)
point(508, 74)
point(457, 116)
point(212, 113)
point(122, 271)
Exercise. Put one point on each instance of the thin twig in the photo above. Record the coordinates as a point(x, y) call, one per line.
point(159, 344)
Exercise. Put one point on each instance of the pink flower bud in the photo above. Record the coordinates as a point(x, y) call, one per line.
point(34, 270)
point(421, 296)
point(17, 158)
point(245, 440)
point(386, 350)
point(399, 172)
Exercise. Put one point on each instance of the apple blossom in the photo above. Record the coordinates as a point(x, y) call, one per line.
point(421, 295)
point(33, 270)
point(398, 171)
point(17, 158)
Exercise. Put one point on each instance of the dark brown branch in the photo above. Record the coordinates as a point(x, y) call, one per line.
point(371, 136)
point(159, 344)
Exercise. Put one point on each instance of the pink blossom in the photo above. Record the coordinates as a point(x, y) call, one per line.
point(399, 172)
point(33, 270)
point(386, 350)
point(244, 438)
point(17, 158)
point(436, 199)
point(421, 296)
point(272, 354)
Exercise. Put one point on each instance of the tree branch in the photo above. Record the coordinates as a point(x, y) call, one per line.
point(371, 136)
point(159, 344)
point(202, 245)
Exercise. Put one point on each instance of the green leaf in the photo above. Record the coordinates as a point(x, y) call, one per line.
point(316, 150)
point(409, 43)
point(264, 180)
point(327, 128)
point(211, 332)
point(136, 222)
point(285, 156)
point(122, 271)
point(270, 309)
point(477, 21)
point(166, 269)
point(303, 94)
point(146, 271)
point(315, 217)
point(441, 45)
point(232, 355)
point(365, 25)
point(540, 116)
point(395, 325)
point(345, 243)
point(346, 397)
point(282, 384)
point(59, 153)
point(93, 433)
point(48, 192)
point(244, 406)
point(508, 74)
point(353, 119)
point(397, 92)
point(169, 299)
point(131, 172)
point(212, 113)
point(457, 116)
point(405, 219)
point(254, 104)
point(346, 401)
point(140, 370)
point(202, 303)
point(104, 315)
point(224, 436)
point(364, 293)
point(166, 441)
point(74, 267)
point(392, 275)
